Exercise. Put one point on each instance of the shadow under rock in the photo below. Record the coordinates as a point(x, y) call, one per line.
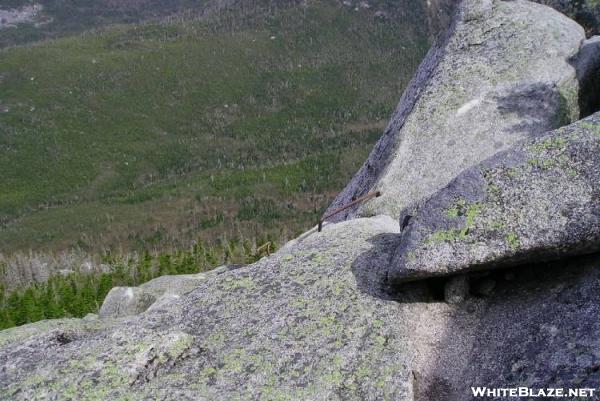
point(537, 325)
point(537, 328)
point(587, 66)
point(371, 267)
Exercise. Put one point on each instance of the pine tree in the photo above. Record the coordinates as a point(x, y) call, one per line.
point(50, 304)
point(145, 268)
point(87, 298)
point(66, 296)
point(30, 306)
point(14, 310)
point(106, 283)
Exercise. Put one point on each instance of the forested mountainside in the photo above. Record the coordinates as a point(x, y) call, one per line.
point(142, 138)
point(152, 134)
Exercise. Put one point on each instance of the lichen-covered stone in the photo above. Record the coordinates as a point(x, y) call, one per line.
point(310, 322)
point(539, 200)
point(314, 322)
point(126, 301)
point(174, 284)
point(585, 12)
point(167, 289)
point(502, 73)
point(58, 326)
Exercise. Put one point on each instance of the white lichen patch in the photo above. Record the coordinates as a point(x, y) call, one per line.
point(470, 105)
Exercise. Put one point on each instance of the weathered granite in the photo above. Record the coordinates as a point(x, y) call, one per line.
point(309, 322)
point(539, 200)
point(63, 328)
point(176, 285)
point(318, 321)
point(502, 73)
point(588, 74)
point(314, 322)
point(126, 301)
point(585, 12)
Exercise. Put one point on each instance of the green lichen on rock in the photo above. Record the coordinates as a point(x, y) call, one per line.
point(543, 206)
point(553, 143)
point(487, 87)
point(460, 208)
point(569, 111)
point(302, 311)
point(513, 241)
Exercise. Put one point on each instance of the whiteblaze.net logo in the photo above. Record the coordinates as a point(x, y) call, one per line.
point(533, 393)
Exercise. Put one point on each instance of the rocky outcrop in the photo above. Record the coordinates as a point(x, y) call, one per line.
point(539, 200)
point(309, 322)
point(127, 301)
point(585, 12)
point(588, 74)
point(314, 322)
point(318, 320)
point(495, 78)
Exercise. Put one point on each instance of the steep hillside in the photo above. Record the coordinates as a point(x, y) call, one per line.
point(243, 124)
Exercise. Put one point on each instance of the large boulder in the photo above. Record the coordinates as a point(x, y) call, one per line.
point(585, 12)
point(314, 322)
point(539, 200)
point(310, 322)
point(502, 73)
point(127, 301)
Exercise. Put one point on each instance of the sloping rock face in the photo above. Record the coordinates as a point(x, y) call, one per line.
point(500, 74)
point(314, 322)
point(126, 301)
point(307, 323)
point(585, 12)
point(540, 200)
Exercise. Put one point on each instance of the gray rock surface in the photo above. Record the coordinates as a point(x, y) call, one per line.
point(314, 322)
point(588, 75)
point(317, 320)
point(310, 322)
point(176, 285)
point(127, 301)
point(502, 73)
point(539, 200)
point(585, 12)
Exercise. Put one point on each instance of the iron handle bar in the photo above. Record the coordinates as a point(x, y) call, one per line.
point(364, 198)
